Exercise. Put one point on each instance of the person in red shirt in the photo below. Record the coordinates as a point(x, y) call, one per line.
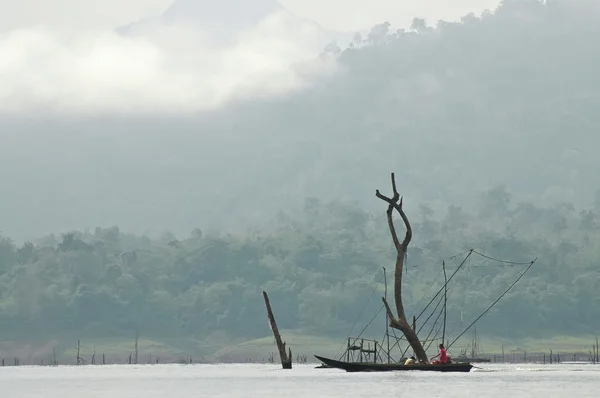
point(442, 355)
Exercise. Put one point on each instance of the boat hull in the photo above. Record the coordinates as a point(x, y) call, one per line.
point(394, 367)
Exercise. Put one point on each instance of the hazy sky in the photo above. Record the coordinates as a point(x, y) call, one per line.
point(334, 14)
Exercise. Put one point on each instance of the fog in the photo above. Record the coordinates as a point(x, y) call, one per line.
point(168, 68)
point(170, 57)
point(166, 124)
point(350, 15)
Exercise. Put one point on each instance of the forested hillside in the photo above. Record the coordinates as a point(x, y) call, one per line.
point(320, 267)
point(506, 98)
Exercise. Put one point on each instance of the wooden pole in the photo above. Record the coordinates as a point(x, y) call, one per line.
point(387, 319)
point(136, 346)
point(445, 302)
point(362, 343)
point(375, 353)
point(348, 351)
point(286, 357)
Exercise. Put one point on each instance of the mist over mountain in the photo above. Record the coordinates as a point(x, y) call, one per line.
point(505, 99)
point(237, 13)
point(223, 22)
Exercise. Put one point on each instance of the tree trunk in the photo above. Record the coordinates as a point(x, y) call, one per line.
point(400, 322)
point(136, 345)
point(286, 357)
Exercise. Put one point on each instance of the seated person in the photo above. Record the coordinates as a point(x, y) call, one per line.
point(442, 355)
point(410, 361)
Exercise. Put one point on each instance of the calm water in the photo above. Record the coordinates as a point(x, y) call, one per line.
point(303, 381)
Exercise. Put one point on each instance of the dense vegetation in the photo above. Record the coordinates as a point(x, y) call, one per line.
point(320, 267)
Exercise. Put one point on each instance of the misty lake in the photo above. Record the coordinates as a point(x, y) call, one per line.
point(251, 380)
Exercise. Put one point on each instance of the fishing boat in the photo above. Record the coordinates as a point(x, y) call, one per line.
point(368, 355)
point(392, 367)
point(373, 357)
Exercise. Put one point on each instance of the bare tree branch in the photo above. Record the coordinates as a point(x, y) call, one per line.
point(393, 203)
point(393, 321)
point(400, 322)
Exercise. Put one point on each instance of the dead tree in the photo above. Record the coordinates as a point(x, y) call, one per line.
point(400, 322)
point(286, 357)
point(136, 346)
point(80, 360)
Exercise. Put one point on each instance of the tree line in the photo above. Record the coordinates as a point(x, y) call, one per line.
point(320, 266)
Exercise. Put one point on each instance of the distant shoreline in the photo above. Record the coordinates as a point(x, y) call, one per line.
point(263, 350)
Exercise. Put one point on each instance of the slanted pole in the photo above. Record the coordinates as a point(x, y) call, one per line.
point(286, 357)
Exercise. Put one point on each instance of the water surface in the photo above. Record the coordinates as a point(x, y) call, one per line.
point(251, 380)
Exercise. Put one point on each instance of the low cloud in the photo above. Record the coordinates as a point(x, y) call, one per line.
point(169, 69)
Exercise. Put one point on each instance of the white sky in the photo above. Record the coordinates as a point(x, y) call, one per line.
point(333, 14)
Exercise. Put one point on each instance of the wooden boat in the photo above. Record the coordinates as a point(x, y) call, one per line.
point(394, 367)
